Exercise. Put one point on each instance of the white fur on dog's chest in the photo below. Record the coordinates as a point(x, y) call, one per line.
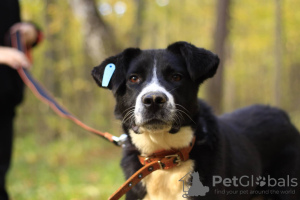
point(164, 184)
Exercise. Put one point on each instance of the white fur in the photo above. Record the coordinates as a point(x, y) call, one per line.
point(164, 184)
point(149, 141)
point(153, 86)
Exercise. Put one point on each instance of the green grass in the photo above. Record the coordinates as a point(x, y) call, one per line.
point(69, 168)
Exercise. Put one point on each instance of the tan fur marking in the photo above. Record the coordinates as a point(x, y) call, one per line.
point(164, 184)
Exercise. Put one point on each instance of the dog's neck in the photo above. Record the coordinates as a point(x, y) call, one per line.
point(148, 142)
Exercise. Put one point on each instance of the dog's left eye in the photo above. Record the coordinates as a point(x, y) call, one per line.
point(134, 79)
point(176, 77)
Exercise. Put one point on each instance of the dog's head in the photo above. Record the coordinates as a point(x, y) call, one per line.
point(157, 89)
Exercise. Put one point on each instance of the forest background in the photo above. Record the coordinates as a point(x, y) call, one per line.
point(258, 42)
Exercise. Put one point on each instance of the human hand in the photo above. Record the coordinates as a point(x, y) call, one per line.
point(13, 58)
point(28, 32)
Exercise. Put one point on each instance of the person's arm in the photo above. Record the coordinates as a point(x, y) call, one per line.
point(14, 58)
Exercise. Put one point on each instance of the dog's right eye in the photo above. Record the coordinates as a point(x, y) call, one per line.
point(134, 79)
point(176, 77)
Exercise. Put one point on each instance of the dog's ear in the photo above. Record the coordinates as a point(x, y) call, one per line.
point(121, 62)
point(201, 63)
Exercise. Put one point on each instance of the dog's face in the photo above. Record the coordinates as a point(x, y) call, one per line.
point(157, 89)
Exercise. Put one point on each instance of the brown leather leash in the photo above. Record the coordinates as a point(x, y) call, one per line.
point(163, 160)
point(41, 93)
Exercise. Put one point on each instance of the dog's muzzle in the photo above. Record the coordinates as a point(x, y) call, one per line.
point(155, 108)
point(154, 100)
point(154, 111)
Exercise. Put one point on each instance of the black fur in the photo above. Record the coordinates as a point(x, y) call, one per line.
point(257, 140)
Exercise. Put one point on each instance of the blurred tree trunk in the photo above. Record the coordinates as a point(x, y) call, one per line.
point(50, 53)
point(139, 19)
point(99, 38)
point(100, 43)
point(278, 52)
point(214, 90)
point(49, 76)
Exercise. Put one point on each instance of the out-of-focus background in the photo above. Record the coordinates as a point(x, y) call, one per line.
point(258, 42)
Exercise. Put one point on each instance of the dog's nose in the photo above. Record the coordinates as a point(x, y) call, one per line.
point(154, 99)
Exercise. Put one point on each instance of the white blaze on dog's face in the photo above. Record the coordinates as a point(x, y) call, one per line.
point(156, 90)
point(155, 100)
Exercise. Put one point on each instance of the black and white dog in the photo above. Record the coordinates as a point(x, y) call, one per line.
point(254, 150)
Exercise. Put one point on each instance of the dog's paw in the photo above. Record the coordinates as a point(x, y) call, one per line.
point(261, 181)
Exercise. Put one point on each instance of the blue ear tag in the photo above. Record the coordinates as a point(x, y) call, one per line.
point(108, 72)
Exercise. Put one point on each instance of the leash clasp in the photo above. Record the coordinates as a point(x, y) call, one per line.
point(161, 165)
point(120, 141)
point(176, 160)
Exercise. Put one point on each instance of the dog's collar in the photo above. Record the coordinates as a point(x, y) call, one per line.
point(164, 160)
point(162, 156)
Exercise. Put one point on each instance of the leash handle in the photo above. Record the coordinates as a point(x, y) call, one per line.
point(42, 94)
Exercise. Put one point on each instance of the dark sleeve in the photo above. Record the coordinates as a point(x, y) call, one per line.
point(9, 15)
point(11, 85)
